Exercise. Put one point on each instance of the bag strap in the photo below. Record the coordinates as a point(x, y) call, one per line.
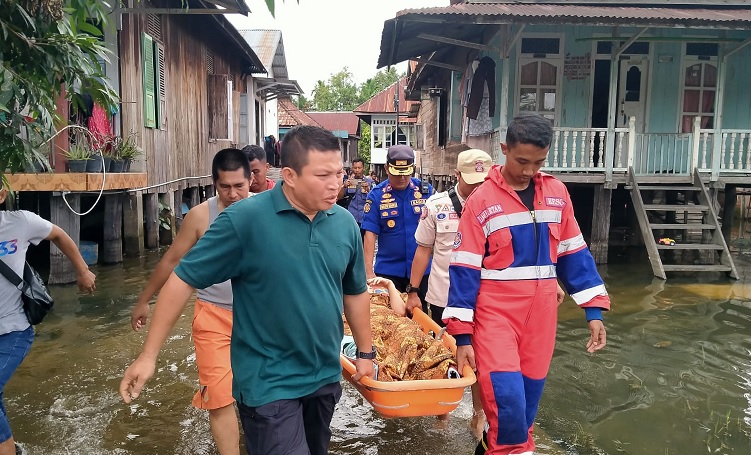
point(455, 200)
point(12, 276)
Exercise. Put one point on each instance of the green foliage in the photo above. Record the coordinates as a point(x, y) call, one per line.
point(380, 81)
point(302, 103)
point(79, 151)
point(165, 216)
point(126, 148)
point(47, 45)
point(363, 147)
point(341, 93)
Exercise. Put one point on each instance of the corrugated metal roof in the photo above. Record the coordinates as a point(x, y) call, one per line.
point(269, 46)
point(466, 21)
point(334, 121)
point(540, 10)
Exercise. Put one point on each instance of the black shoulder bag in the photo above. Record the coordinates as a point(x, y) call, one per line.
point(37, 302)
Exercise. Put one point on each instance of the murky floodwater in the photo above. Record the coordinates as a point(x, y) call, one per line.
point(674, 379)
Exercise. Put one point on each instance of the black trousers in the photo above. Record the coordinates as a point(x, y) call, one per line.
point(401, 285)
point(291, 427)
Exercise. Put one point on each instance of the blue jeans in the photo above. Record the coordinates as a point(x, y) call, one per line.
point(13, 349)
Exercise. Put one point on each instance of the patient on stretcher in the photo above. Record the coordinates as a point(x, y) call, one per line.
point(404, 351)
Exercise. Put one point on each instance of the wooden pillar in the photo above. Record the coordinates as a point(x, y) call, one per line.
point(61, 269)
point(166, 235)
point(178, 210)
point(598, 244)
point(151, 209)
point(61, 143)
point(728, 211)
point(194, 196)
point(112, 248)
point(133, 224)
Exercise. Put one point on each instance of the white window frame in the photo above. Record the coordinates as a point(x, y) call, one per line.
point(556, 60)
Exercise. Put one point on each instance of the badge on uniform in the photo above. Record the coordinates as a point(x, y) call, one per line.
point(384, 214)
point(458, 240)
point(386, 195)
point(417, 209)
point(366, 209)
point(417, 195)
point(391, 223)
point(441, 216)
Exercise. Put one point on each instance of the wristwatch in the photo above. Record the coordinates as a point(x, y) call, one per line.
point(367, 355)
point(409, 288)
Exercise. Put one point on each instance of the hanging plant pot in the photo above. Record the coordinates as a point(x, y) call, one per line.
point(94, 164)
point(77, 165)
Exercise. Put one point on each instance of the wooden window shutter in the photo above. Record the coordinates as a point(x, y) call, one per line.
point(218, 106)
point(161, 92)
point(149, 89)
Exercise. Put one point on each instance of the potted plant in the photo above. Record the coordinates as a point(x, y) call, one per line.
point(78, 155)
point(128, 150)
point(96, 161)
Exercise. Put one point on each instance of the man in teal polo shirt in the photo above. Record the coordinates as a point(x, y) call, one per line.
point(295, 260)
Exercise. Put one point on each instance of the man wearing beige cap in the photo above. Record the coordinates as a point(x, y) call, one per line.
point(435, 235)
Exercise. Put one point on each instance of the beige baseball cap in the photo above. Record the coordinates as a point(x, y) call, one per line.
point(474, 165)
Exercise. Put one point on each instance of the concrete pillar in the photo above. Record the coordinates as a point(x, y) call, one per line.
point(112, 247)
point(598, 244)
point(133, 224)
point(61, 269)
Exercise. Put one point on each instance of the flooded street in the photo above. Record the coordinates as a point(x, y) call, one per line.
point(675, 378)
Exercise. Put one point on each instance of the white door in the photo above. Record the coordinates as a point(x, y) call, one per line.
point(632, 92)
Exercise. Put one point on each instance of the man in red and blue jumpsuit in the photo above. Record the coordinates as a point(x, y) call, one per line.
point(517, 236)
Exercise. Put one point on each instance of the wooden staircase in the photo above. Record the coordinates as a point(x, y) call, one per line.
point(686, 214)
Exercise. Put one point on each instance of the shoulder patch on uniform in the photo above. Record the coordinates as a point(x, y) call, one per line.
point(458, 240)
point(488, 212)
point(424, 213)
point(366, 209)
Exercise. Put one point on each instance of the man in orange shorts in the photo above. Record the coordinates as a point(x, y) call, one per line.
point(212, 317)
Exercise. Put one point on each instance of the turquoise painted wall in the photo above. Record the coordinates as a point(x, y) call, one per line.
point(664, 89)
point(737, 109)
point(575, 106)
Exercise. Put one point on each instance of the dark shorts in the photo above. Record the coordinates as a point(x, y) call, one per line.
point(401, 285)
point(291, 427)
point(436, 314)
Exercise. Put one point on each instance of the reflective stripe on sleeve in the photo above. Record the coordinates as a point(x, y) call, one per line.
point(462, 314)
point(466, 258)
point(586, 295)
point(572, 244)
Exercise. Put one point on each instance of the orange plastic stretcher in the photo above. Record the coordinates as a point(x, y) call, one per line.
point(413, 398)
